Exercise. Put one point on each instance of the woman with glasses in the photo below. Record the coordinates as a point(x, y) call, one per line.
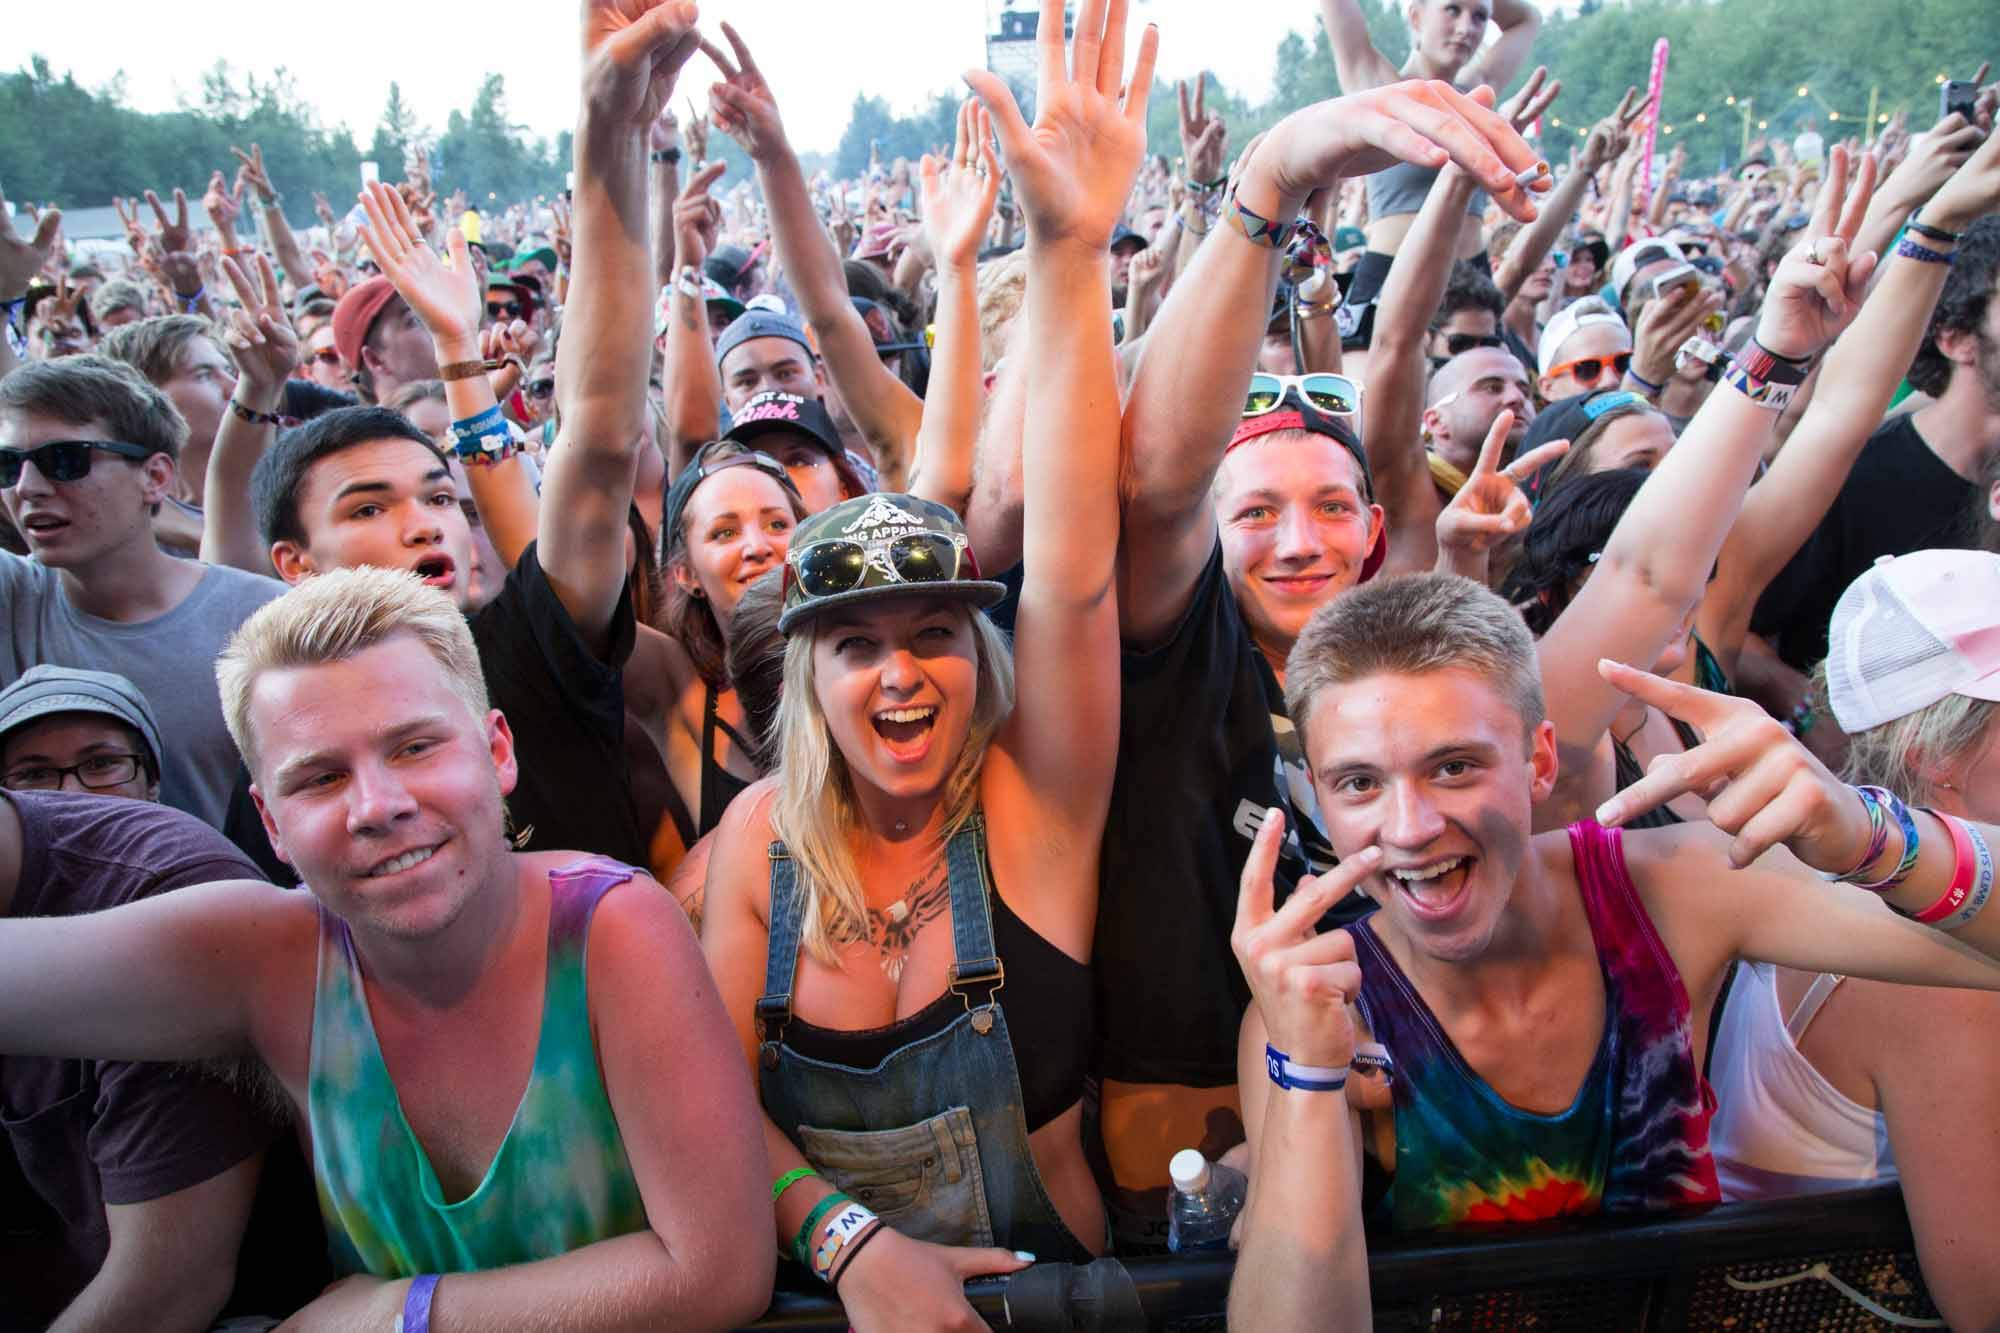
point(900, 920)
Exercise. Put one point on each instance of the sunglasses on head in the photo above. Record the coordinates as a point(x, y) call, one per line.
point(1330, 394)
point(541, 388)
point(837, 565)
point(1458, 344)
point(1587, 369)
point(62, 460)
point(503, 309)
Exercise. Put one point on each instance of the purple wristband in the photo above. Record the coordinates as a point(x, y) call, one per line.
point(416, 1316)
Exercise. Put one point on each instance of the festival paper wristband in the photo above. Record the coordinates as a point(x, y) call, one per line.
point(416, 1316)
point(1305, 1078)
point(820, 1210)
point(844, 1226)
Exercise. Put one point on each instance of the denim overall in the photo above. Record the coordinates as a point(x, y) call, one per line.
point(933, 1138)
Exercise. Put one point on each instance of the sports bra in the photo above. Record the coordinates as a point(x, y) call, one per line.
point(1047, 1002)
point(718, 785)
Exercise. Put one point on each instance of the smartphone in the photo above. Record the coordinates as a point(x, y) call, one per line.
point(1959, 96)
point(1680, 275)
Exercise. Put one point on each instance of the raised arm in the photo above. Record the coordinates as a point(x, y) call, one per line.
point(1519, 23)
point(266, 348)
point(664, 185)
point(21, 258)
point(1072, 172)
point(1656, 564)
point(1399, 370)
point(1187, 394)
point(692, 384)
point(882, 406)
point(1356, 62)
point(958, 204)
point(633, 51)
point(1933, 157)
point(1608, 139)
point(1860, 375)
point(284, 244)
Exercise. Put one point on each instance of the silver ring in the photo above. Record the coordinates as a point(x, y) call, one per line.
point(1812, 253)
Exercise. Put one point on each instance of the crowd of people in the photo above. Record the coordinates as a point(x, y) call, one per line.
point(562, 767)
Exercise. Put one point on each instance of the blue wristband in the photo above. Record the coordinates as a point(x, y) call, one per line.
point(1305, 1078)
point(416, 1316)
point(483, 438)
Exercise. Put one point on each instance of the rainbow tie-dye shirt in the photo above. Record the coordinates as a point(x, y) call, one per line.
point(1635, 1139)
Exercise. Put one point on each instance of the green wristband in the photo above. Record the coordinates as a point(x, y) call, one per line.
point(789, 1179)
point(813, 1219)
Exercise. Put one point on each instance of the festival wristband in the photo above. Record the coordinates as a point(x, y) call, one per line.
point(465, 370)
point(416, 1316)
point(188, 303)
point(820, 1210)
point(1923, 254)
point(1305, 1078)
point(1981, 877)
point(483, 438)
point(853, 1251)
point(253, 416)
point(845, 1225)
point(789, 1179)
point(1774, 397)
point(1259, 230)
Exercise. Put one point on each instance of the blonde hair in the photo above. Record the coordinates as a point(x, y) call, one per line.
point(1003, 285)
point(331, 617)
point(815, 811)
point(1911, 755)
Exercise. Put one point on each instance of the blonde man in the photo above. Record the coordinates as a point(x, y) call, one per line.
point(477, 1102)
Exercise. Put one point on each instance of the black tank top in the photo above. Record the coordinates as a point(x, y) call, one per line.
point(718, 785)
point(1627, 770)
point(1047, 1002)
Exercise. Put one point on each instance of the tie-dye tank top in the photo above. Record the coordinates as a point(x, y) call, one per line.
point(560, 1179)
point(1634, 1140)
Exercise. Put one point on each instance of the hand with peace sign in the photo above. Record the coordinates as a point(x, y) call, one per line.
point(21, 259)
point(1300, 979)
point(176, 237)
point(260, 333)
point(1610, 137)
point(1491, 506)
point(1204, 136)
point(1526, 107)
point(1761, 785)
point(742, 104)
point(1819, 286)
point(1074, 167)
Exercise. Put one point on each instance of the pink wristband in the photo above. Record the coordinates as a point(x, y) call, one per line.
point(1963, 864)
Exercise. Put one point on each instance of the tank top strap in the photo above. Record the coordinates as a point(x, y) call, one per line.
point(1627, 944)
point(1397, 1018)
point(1816, 995)
point(574, 891)
point(781, 953)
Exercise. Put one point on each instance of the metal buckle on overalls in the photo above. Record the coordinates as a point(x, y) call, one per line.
point(972, 974)
point(773, 1012)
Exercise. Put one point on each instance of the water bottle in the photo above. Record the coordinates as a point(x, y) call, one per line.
point(1203, 1203)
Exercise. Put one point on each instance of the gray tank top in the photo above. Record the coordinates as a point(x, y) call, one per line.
point(1403, 188)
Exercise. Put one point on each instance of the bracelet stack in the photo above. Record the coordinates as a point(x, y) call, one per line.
point(1971, 877)
point(482, 439)
point(1882, 804)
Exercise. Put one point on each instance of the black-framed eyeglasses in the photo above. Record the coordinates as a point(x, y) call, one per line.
point(541, 388)
point(62, 460)
point(838, 565)
point(503, 309)
point(1458, 344)
point(96, 773)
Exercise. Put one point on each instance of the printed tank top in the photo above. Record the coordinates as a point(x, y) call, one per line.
point(560, 1179)
point(1635, 1139)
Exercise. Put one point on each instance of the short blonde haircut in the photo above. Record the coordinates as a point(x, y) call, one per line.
point(331, 617)
point(1003, 285)
point(815, 811)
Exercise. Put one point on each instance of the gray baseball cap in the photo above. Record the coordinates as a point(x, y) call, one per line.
point(45, 690)
point(760, 324)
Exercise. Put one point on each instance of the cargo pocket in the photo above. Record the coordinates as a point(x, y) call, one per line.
point(924, 1180)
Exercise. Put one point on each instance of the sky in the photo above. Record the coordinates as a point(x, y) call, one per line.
point(817, 55)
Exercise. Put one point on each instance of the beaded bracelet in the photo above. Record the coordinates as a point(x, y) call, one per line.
point(1923, 254)
point(253, 416)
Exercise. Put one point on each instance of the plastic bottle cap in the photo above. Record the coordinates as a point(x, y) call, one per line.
point(1189, 1170)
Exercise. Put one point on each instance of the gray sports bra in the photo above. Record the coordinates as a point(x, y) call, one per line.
point(1403, 188)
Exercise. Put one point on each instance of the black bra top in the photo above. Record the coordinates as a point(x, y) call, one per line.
point(1049, 1009)
point(718, 785)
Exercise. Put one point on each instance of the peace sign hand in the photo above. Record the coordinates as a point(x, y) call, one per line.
point(1819, 286)
point(1204, 136)
point(1760, 784)
point(176, 237)
point(260, 333)
point(1302, 980)
point(742, 104)
point(1491, 506)
point(21, 259)
point(1526, 107)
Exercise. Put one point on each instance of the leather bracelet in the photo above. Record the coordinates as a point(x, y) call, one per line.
point(253, 416)
point(671, 156)
point(465, 370)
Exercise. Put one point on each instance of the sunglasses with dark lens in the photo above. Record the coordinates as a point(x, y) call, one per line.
point(837, 565)
point(1458, 344)
point(541, 388)
point(503, 309)
point(1335, 395)
point(62, 460)
point(1587, 369)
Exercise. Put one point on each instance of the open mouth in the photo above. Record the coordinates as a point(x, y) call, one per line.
point(42, 524)
point(402, 861)
point(907, 731)
point(1434, 889)
point(436, 570)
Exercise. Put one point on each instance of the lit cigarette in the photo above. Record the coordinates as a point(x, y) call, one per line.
point(1532, 174)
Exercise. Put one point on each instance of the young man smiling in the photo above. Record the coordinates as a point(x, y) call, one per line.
point(478, 1103)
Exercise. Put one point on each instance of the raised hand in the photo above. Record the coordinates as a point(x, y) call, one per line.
point(633, 51)
point(1423, 122)
point(698, 217)
point(742, 104)
point(1760, 784)
point(328, 276)
point(21, 259)
point(1148, 267)
point(1819, 286)
point(1204, 137)
point(445, 296)
point(1972, 192)
point(1666, 324)
point(221, 205)
point(260, 332)
point(1930, 160)
point(665, 132)
point(560, 236)
point(1301, 980)
point(1491, 507)
point(252, 173)
point(1525, 107)
point(1074, 168)
point(176, 237)
point(697, 133)
point(324, 211)
point(135, 230)
point(959, 193)
point(1611, 136)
